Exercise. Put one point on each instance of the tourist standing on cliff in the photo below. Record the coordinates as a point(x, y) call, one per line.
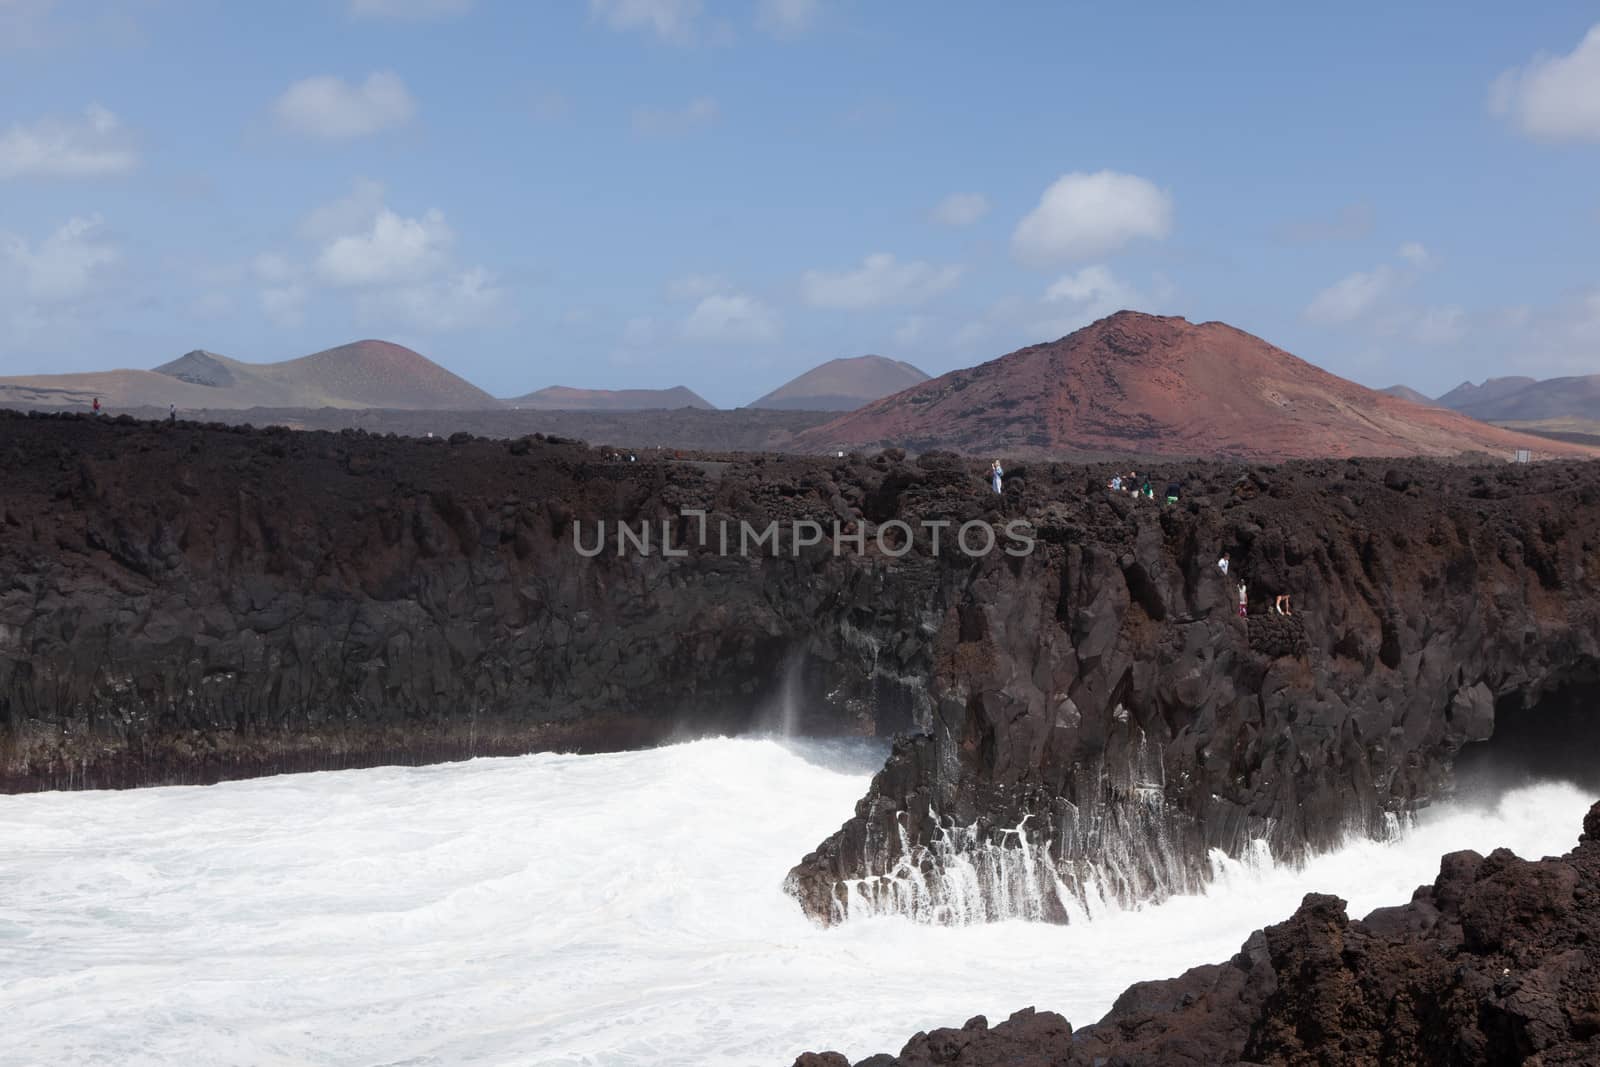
point(97, 405)
point(1244, 601)
point(996, 472)
point(1281, 604)
point(1222, 564)
point(172, 414)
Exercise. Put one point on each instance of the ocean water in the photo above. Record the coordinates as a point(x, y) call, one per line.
point(575, 910)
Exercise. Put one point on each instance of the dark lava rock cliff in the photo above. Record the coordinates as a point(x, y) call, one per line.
point(1102, 716)
point(185, 603)
point(1497, 962)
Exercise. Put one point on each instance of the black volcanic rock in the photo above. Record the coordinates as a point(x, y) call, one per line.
point(1100, 710)
point(1497, 962)
point(187, 603)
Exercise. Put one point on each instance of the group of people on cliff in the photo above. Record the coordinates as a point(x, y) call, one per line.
point(1280, 603)
point(1131, 484)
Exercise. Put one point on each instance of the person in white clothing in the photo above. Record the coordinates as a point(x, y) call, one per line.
point(1222, 564)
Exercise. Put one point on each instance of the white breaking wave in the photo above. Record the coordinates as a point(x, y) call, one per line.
point(1103, 856)
point(569, 910)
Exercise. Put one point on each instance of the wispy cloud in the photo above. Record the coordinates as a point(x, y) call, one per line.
point(880, 281)
point(731, 318)
point(673, 21)
point(328, 108)
point(96, 145)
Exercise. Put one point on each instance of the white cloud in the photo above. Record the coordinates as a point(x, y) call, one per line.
point(1554, 98)
point(62, 267)
point(1351, 297)
point(94, 146)
point(671, 20)
point(347, 214)
point(1094, 287)
point(731, 317)
point(670, 122)
point(393, 249)
point(392, 268)
point(1078, 299)
point(788, 18)
point(880, 281)
point(696, 286)
point(328, 108)
point(961, 209)
point(1082, 216)
point(409, 10)
point(1415, 254)
point(459, 301)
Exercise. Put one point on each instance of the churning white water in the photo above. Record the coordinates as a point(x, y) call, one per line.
point(593, 910)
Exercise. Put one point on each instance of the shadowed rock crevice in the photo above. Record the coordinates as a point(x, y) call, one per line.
point(1551, 731)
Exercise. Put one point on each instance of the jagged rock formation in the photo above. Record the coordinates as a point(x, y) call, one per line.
point(187, 603)
point(1498, 961)
point(1102, 717)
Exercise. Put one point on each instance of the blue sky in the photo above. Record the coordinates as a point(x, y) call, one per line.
point(644, 193)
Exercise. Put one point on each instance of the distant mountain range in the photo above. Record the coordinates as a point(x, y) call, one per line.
point(365, 374)
point(1135, 383)
point(1554, 405)
point(1128, 384)
point(563, 398)
point(381, 375)
point(843, 385)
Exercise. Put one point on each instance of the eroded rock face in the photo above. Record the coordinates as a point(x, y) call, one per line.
point(1497, 962)
point(189, 603)
point(1102, 716)
point(182, 604)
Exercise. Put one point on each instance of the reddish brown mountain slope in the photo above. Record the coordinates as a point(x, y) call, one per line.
point(1152, 385)
point(378, 374)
